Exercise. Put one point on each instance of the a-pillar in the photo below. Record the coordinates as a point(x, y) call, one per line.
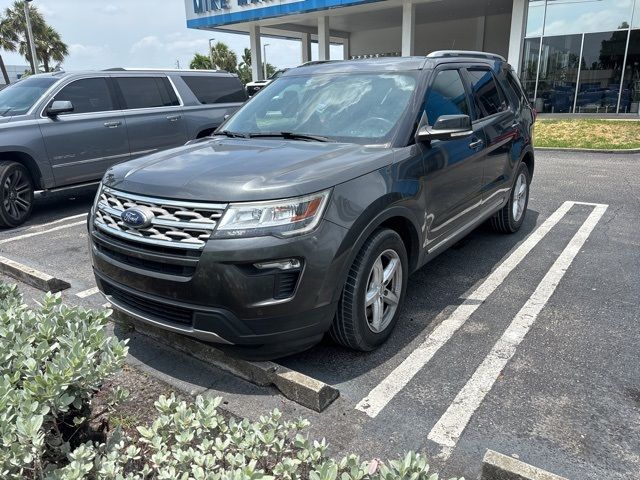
point(256, 52)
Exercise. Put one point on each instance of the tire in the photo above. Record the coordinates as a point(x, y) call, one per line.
point(509, 219)
point(16, 194)
point(356, 325)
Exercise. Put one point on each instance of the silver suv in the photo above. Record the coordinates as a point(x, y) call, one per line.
point(64, 129)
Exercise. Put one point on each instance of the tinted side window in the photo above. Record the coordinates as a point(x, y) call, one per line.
point(446, 97)
point(487, 97)
point(514, 85)
point(210, 89)
point(87, 95)
point(147, 92)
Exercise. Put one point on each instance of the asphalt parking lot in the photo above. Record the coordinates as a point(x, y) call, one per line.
point(524, 344)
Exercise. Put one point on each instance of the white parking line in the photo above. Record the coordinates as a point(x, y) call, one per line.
point(32, 227)
point(384, 392)
point(88, 292)
point(42, 232)
point(451, 425)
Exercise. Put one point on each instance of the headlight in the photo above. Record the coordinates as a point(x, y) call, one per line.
point(281, 218)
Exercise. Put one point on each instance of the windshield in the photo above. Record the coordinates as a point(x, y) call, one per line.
point(19, 97)
point(360, 108)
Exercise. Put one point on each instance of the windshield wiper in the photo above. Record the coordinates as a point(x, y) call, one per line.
point(292, 136)
point(230, 134)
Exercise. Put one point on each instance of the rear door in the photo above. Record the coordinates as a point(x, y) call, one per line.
point(82, 144)
point(494, 114)
point(453, 167)
point(152, 113)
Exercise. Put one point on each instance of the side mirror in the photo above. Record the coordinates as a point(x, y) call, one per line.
point(58, 107)
point(446, 128)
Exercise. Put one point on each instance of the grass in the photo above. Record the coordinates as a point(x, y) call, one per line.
point(588, 133)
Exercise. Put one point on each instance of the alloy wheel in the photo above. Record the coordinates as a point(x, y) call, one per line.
point(384, 288)
point(16, 195)
point(519, 197)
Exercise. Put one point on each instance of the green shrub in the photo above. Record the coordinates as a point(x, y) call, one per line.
point(53, 359)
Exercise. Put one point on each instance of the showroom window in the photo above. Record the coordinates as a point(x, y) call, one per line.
point(582, 56)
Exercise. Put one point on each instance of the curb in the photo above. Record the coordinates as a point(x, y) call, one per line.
point(300, 388)
point(31, 276)
point(496, 466)
point(587, 150)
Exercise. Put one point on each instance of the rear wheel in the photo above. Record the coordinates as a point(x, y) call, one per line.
point(510, 218)
point(373, 293)
point(16, 194)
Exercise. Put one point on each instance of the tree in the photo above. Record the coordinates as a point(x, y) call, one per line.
point(224, 58)
point(8, 41)
point(200, 62)
point(48, 43)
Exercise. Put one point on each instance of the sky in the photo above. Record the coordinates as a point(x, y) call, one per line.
point(141, 33)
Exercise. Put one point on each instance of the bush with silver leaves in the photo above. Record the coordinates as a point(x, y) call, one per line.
point(55, 358)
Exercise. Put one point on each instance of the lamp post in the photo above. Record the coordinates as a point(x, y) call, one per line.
point(211, 53)
point(264, 59)
point(32, 45)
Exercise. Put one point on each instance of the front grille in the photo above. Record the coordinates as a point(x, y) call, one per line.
point(154, 266)
point(148, 307)
point(175, 224)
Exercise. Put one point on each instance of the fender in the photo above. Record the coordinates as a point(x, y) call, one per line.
point(374, 216)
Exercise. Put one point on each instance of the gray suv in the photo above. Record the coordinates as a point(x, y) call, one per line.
point(64, 129)
point(312, 204)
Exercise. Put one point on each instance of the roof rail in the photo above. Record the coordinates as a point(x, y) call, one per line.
point(466, 53)
point(123, 69)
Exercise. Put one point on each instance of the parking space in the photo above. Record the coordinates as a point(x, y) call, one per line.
point(525, 344)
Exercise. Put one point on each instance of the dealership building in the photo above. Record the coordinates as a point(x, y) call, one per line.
point(573, 56)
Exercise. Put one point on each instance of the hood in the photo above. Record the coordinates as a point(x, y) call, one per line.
point(233, 170)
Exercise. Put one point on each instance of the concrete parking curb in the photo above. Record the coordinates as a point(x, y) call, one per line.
point(496, 466)
point(587, 150)
point(31, 276)
point(296, 386)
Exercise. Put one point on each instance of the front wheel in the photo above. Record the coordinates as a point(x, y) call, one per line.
point(16, 194)
point(511, 217)
point(373, 293)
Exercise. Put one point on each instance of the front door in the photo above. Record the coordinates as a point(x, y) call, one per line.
point(82, 144)
point(453, 167)
point(495, 116)
point(152, 113)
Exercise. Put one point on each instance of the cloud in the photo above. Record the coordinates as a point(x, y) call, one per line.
point(111, 9)
point(147, 43)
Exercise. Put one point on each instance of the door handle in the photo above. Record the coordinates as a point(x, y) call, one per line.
point(478, 143)
point(112, 124)
point(173, 118)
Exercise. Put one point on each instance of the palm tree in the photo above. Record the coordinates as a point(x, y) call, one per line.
point(49, 47)
point(246, 57)
point(200, 62)
point(224, 58)
point(8, 41)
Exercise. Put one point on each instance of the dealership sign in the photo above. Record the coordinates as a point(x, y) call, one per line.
point(214, 13)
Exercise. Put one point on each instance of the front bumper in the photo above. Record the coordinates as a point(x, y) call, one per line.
point(220, 296)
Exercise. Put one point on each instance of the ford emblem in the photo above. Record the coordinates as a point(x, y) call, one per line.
point(137, 217)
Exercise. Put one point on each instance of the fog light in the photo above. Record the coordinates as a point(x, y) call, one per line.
point(286, 264)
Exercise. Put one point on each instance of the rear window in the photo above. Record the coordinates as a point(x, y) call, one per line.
point(487, 96)
point(147, 92)
point(210, 89)
point(515, 86)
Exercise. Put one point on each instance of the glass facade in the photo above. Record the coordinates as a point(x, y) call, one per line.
point(582, 56)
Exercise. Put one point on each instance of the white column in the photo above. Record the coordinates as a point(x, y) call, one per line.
point(323, 38)
point(346, 49)
point(256, 52)
point(306, 47)
point(516, 36)
point(408, 28)
point(480, 26)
